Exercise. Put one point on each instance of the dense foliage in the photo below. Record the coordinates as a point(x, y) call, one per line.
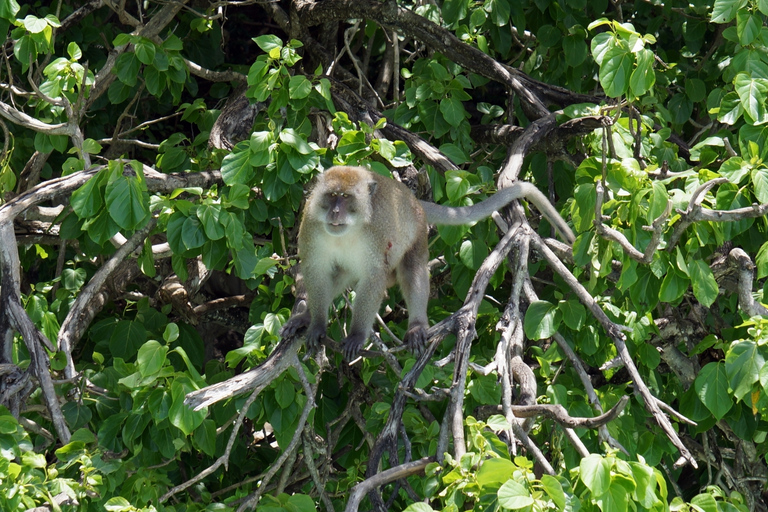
point(155, 156)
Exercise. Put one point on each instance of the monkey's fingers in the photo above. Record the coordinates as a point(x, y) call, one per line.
point(351, 346)
point(416, 339)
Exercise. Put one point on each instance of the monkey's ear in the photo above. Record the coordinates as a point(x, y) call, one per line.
point(372, 187)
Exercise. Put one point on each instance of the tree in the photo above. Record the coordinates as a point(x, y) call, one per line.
point(154, 161)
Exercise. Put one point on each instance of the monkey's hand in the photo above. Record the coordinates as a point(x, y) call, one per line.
point(416, 339)
point(315, 338)
point(295, 325)
point(352, 345)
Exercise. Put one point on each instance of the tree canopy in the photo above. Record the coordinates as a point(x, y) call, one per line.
point(155, 158)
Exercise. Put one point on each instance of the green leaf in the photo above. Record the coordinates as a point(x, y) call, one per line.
point(268, 42)
point(554, 489)
point(299, 87)
point(452, 110)
point(704, 285)
point(725, 10)
point(151, 358)
point(712, 389)
point(761, 261)
point(117, 504)
point(541, 320)
point(128, 202)
point(706, 503)
point(181, 415)
point(8, 9)
point(575, 49)
point(205, 437)
point(285, 393)
point(494, 471)
point(145, 51)
point(73, 279)
point(154, 80)
point(752, 93)
point(454, 153)
point(127, 337)
point(673, 286)
point(209, 216)
point(615, 71)
point(296, 141)
point(643, 77)
point(595, 472)
point(760, 180)
point(472, 253)
point(573, 312)
point(730, 109)
point(193, 233)
point(236, 166)
point(748, 27)
point(513, 495)
point(87, 200)
point(615, 500)
point(743, 363)
point(127, 68)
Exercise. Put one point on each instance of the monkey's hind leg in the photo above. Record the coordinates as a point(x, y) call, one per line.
point(413, 278)
point(368, 297)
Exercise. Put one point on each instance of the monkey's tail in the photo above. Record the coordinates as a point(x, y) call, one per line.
point(462, 215)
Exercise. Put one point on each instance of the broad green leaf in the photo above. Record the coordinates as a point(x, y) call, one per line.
point(643, 76)
point(73, 278)
point(193, 233)
point(735, 169)
point(725, 10)
point(452, 110)
point(743, 363)
point(595, 472)
point(454, 10)
point(205, 437)
point(704, 285)
point(494, 471)
point(752, 93)
point(285, 393)
point(541, 320)
point(299, 87)
point(761, 261)
point(573, 312)
point(268, 42)
point(748, 27)
point(673, 286)
point(181, 415)
point(575, 49)
point(151, 358)
point(616, 499)
point(454, 153)
point(760, 180)
point(645, 484)
point(209, 216)
point(554, 489)
point(87, 200)
point(127, 338)
point(236, 166)
point(706, 503)
point(615, 71)
point(128, 202)
point(127, 68)
point(145, 51)
point(295, 140)
point(730, 109)
point(514, 496)
point(712, 389)
point(472, 253)
point(499, 11)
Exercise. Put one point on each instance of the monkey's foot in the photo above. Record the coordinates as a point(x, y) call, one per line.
point(315, 338)
point(294, 325)
point(352, 345)
point(416, 339)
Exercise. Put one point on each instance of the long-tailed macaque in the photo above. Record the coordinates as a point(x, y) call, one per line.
point(363, 231)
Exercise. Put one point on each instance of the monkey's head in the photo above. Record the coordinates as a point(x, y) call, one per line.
point(341, 199)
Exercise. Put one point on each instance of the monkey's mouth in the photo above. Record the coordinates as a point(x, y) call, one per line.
point(336, 228)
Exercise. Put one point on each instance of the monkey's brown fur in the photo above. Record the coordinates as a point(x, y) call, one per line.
point(363, 231)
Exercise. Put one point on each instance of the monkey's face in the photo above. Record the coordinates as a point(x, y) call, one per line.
point(340, 212)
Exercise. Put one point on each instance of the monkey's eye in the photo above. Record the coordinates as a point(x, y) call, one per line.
point(344, 195)
point(334, 194)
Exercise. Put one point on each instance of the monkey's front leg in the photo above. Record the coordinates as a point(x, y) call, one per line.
point(368, 296)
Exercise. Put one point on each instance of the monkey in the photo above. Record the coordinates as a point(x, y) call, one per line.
point(364, 231)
